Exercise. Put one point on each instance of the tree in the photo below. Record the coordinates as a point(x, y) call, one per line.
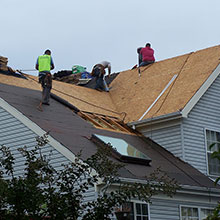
point(43, 192)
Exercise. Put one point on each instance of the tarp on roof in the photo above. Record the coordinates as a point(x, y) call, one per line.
point(78, 69)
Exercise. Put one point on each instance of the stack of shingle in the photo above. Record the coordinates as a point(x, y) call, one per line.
point(3, 63)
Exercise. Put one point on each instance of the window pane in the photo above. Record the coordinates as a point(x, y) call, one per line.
point(214, 165)
point(205, 213)
point(188, 213)
point(122, 147)
point(184, 211)
point(139, 218)
point(138, 208)
point(145, 218)
point(144, 209)
point(195, 212)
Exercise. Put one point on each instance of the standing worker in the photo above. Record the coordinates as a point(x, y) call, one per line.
point(99, 72)
point(147, 54)
point(44, 65)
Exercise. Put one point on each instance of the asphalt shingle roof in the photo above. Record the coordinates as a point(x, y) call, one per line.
point(74, 133)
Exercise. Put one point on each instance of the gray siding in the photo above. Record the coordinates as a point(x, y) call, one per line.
point(205, 114)
point(14, 135)
point(169, 138)
point(187, 140)
point(162, 209)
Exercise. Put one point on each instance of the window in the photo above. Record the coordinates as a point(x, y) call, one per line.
point(122, 150)
point(213, 163)
point(132, 211)
point(194, 213)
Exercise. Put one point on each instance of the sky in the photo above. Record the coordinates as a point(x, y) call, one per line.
point(85, 32)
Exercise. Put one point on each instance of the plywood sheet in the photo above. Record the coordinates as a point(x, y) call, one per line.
point(135, 94)
point(83, 98)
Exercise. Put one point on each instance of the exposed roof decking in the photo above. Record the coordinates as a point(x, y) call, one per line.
point(101, 99)
point(135, 94)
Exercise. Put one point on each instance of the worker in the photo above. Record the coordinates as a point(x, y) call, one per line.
point(99, 72)
point(44, 65)
point(147, 54)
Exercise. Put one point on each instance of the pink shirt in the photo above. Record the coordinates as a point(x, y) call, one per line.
point(147, 54)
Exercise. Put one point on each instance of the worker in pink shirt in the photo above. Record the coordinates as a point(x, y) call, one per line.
point(147, 54)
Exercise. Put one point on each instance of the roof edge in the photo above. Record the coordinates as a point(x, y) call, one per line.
point(183, 187)
point(192, 102)
point(155, 120)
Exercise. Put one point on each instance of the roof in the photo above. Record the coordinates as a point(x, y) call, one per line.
point(74, 133)
point(135, 94)
point(140, 97)
point(86, 99)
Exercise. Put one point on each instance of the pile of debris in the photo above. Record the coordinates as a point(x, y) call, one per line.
point(78, 75)
point(3, 63)
point(6, 70)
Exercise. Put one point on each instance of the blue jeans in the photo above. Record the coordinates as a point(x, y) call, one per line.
point(145, 63)
point(101, 84)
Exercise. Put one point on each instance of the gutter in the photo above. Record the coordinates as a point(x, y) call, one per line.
point(200, 190)
point(157, 119)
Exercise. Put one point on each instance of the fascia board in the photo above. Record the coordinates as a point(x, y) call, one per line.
point(197, 190)
point(192, 102)
point(156, 120)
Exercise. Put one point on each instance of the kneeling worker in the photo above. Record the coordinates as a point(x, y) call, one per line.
point(44, 65)
point(99, 72)
point(147, 54)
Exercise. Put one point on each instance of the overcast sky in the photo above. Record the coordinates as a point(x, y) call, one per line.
point(85, 32)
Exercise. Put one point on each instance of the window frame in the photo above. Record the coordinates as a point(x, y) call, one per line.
point(134, 202)
point(199, 208)
point(140, 202)
point(206, 150)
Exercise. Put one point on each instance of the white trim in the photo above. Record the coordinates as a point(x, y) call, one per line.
point(182, 142)
point(134, 201)
point(174, 77)
point(206, 156)
point(188, 107)
point(193, 207)
point(206, 150)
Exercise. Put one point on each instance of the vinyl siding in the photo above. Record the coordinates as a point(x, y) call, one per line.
point(162, 209)
point(14, 135)
point(205, 114)
point(169, 138)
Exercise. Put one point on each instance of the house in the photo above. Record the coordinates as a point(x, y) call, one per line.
point(184, 116)
point(73, 121)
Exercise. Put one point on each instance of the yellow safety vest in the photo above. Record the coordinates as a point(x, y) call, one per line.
point(44, 63)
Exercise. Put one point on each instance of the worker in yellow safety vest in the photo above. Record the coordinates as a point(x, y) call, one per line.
point(44, 65)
